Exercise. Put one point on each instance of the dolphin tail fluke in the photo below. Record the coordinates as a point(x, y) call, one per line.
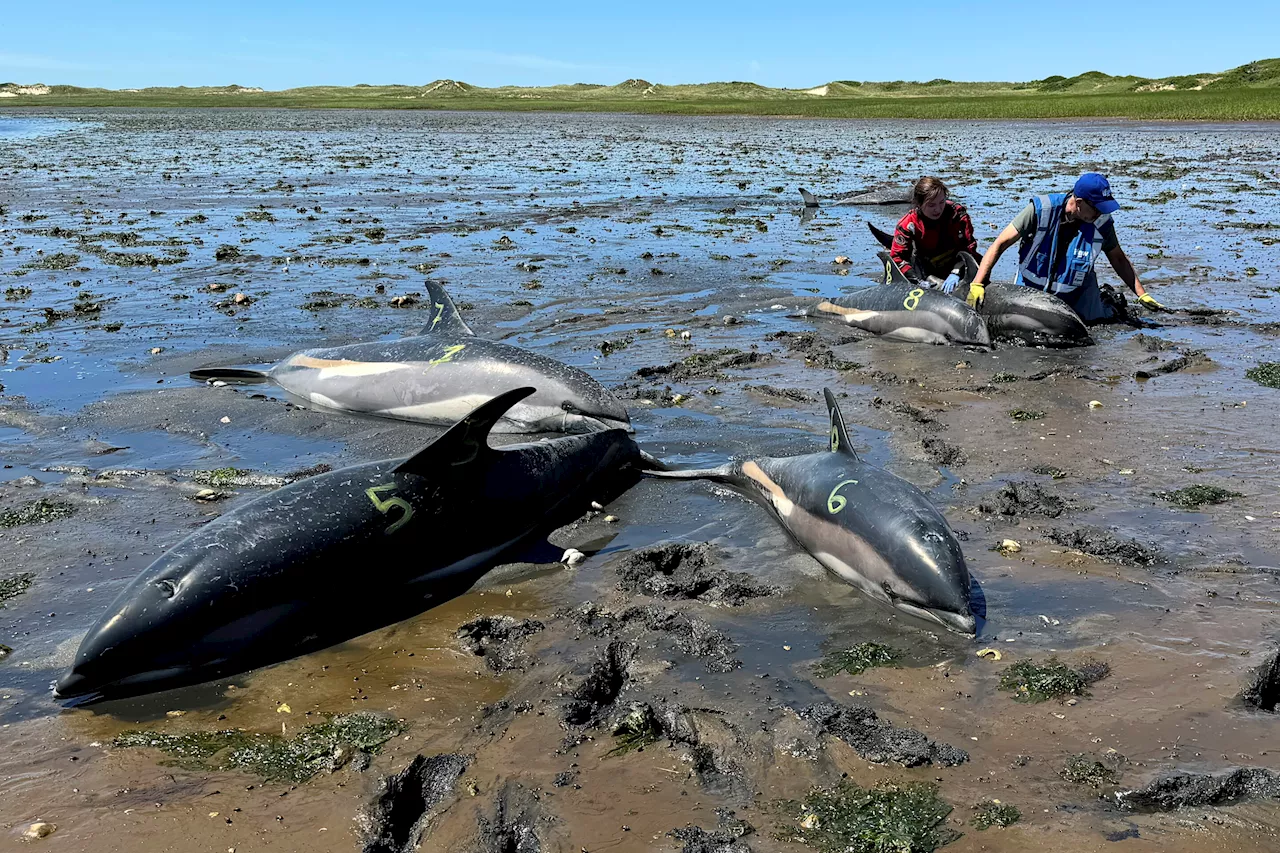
point(810, 200)
point(839, 432)
point(649, 462)
point(883, 238)
point(244, 375)
point(444, 314)
point(466, 441)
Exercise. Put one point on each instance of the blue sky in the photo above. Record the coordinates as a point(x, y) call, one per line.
point(280, 45)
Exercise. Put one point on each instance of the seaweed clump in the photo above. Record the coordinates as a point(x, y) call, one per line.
point(906, 818)
point(40, 511)
point(1267, 373)
point(1084, 769)
point(1198, 495)
point(636, 729)
point(856, 660)
point(324, 746)
point(1033, 682)
point(14, 586)
point(991, 813)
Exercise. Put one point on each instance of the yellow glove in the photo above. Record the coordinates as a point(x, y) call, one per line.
point(976, 292)
point(1149, 302)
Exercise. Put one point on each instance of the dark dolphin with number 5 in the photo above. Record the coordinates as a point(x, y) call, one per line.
point(873, 529)
point(437, 376)
point(333, 556)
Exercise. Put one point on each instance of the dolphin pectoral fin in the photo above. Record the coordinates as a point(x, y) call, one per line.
point(839, 432)
point(444, 314)
point(883, 238)
point(232, 374)
point(466, 441)
point(810, 200)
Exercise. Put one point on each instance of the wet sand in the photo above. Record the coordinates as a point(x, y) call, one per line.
point(624, 227)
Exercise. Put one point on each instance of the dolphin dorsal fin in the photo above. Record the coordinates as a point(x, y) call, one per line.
point(466, 441)
point(810, 200)
point(892, 273)
point(839, 433)
point(444, 314)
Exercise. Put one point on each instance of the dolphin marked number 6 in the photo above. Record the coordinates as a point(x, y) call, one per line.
point(837, 501)
point(384, 506)
point(913, 299)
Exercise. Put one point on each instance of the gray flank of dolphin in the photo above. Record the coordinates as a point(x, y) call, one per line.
point(883, 194)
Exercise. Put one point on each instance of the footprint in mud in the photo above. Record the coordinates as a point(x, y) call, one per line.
point(687, 571)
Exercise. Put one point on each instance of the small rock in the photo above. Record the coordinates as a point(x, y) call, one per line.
point(686, 335)
point(597, 506)
point(842, 260)
point(611, 519)
point(242, 299)
point(1009, 546)
point(157, 350)
point(207, 495)
point(731, 320)
point(224, 419)
point(1095, 404)
point(572, 557)
point(39, 830)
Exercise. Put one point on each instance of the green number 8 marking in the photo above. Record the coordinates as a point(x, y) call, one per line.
point(913, 299)
point(384, 506)
point(836, 501)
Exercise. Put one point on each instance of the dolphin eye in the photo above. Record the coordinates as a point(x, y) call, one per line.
point(168, 587)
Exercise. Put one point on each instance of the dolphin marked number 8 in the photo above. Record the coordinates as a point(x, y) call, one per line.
point(384, 506)
point(837, 501)
point(913, 299)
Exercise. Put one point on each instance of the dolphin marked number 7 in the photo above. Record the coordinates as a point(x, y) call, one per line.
point(384, 506)
point(837, 501)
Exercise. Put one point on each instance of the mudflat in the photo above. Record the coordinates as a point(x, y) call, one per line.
point(697, 669)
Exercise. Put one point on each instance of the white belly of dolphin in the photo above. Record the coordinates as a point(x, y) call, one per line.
point(452, 409)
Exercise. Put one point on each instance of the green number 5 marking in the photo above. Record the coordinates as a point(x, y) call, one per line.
point(384, 506)
point(837, 501)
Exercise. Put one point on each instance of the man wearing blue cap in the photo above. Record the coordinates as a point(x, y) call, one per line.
point(1062, 236)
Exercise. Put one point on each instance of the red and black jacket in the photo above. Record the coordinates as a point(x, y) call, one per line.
point(923, 247)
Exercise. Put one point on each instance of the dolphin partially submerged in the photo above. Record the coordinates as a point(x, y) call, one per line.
point(906, 312)
point(438, 376)
point(333, 556)
point(884, 194)
point(873, 529)
point(1022, 314)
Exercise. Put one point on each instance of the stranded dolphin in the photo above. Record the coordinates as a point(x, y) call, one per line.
point(874, 530)
point(333, 556)
point(1012, 313)
point(438, 376)
point(882, 195)
point(906, 312)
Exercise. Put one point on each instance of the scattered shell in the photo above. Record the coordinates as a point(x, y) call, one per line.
point(174, 713)
point(809, 821)
point(686, 335)
point(157, 350)
point(842, 259)
point(1095, 404)
point(597, 506)
point(242, 299)
point(1009, 546)
point(225, 420)
point(39, 830)
point(990, 654)
point(284, 709)
point(207, 495)
point(611, 518)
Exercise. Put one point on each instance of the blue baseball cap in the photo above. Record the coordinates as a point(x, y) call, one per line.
point(1094, 189)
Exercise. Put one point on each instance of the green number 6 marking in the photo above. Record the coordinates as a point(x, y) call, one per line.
point(835, 438)
point(384, 506)
point(837, 501)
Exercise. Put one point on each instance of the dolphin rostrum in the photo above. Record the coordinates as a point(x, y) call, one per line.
point(1021, 314)
point(439, 375)
point(873, 529)
point(334, 556)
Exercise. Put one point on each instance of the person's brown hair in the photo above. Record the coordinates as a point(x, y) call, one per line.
point(926, 187)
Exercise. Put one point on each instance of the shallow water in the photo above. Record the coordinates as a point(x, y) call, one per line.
point(623, 227)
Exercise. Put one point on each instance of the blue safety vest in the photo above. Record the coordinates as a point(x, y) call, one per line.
point(1077, 262)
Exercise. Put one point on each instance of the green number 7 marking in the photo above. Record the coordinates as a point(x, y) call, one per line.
point(384, 506)
point(837, 501)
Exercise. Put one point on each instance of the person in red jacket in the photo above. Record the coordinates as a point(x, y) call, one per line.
point(929, 239)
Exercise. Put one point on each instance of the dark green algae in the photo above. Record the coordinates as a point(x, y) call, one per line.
point(275, 758)
point(1198, 495)
point(991, 813)
point(14, 586)
point(908, 818)
point(41, 511)
point(1033, 682)
point(857, 659)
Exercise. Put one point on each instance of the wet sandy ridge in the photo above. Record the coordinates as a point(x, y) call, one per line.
point(93, 419)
